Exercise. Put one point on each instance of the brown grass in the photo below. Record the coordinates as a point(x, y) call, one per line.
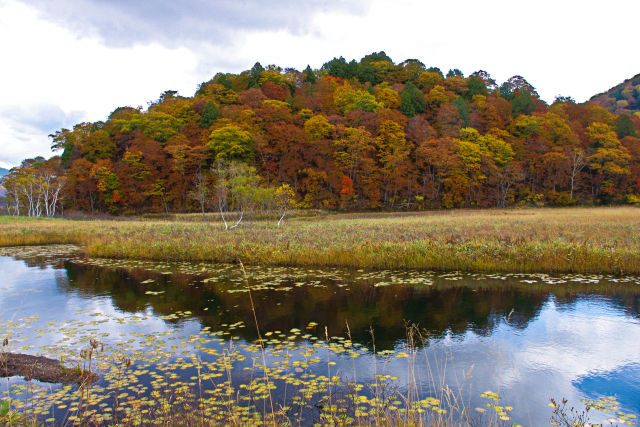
point(571, 240)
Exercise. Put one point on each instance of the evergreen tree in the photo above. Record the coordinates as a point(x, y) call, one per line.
point(223, 79)
point(412, 100)
point(254, 75)
point(624, 126)
point(309, 75)
point(523, 103)
point(463, 110)
point(210, 114)
point(475, 86)
point(338, 67)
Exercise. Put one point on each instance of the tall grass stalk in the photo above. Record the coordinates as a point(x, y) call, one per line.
point(260, 341)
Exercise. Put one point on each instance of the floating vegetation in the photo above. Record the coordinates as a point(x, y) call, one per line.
point(152, 373)
point(165, 361)
point(287, 278)
point(156, 376)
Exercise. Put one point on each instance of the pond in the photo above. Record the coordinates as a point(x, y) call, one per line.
point(442, 339)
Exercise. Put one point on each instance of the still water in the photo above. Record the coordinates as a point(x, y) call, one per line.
point(527, 337)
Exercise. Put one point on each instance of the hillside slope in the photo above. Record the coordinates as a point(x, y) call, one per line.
point(353, 135)
point(623, 98)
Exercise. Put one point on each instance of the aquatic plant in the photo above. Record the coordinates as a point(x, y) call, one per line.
point(213, 376)
point(569, 416)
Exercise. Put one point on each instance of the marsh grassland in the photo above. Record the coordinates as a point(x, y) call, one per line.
point(177, 339)
point(575, 240)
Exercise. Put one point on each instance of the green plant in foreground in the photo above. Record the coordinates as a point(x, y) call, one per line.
point(8, 416)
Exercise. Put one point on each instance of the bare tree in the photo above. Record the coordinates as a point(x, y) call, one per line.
point(237, 190)
point(284, 196)
point(200, 190)
point(511, 174)
point(578, 162)
point(50, 185)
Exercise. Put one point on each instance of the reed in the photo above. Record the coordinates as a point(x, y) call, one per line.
point(571, 240)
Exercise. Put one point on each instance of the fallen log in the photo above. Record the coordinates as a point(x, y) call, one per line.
point(42, 369)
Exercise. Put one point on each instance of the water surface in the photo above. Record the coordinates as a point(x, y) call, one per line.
point(527, 337)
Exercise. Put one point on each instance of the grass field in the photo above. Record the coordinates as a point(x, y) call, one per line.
point(571, 240)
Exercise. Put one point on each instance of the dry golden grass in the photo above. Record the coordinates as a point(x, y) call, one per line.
point(569, 240)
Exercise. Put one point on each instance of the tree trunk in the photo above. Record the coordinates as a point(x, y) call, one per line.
point(226, 226)
point(282, 217)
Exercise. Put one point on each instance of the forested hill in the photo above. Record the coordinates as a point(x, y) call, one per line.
point(623, 98)
point(368, 134)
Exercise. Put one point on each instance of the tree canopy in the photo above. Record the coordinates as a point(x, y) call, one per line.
point(354, 135)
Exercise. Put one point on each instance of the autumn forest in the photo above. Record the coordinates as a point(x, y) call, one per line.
point(366, 243)
point(359, 135)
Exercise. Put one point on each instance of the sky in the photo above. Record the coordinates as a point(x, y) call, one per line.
point(68, 61)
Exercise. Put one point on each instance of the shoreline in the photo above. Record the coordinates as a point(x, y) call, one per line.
point(552, 241)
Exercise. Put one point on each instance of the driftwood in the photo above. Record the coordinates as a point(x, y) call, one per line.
point(42, 369)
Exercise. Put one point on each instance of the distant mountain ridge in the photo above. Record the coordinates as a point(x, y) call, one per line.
point(621, 99)
point(3, 172)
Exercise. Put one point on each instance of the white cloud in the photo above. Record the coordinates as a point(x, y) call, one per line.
point(573, 48)
point(85, 79)
point(124, 22)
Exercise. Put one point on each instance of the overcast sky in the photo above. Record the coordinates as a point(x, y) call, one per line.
point(67, 61)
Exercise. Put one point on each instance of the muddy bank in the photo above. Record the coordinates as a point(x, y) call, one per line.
point(42, 369)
